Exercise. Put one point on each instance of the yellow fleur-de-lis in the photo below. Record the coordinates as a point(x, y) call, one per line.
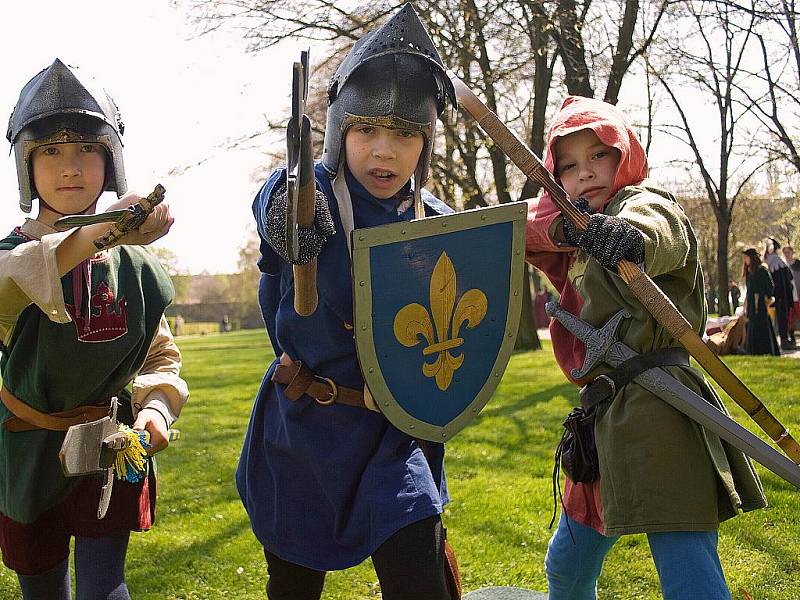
point(413, 322)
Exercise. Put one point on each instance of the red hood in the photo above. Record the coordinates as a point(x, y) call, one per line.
point(610, 127)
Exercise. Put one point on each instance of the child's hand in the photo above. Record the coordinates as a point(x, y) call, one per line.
point(611, 239)
point(153, 423)
point(157, 225)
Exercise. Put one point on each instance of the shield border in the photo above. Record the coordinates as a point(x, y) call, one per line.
point(364, 239)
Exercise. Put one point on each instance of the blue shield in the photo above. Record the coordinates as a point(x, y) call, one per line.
point(437, 304)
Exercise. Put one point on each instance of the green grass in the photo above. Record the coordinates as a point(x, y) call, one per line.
point(499, 475)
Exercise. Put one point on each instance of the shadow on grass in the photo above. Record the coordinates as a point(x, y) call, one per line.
point(148, 575)
point(506, 409)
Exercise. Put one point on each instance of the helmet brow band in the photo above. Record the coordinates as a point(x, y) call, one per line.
point(65, 136)
point(387, 121)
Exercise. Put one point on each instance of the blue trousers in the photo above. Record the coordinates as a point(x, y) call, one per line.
point(687, 563)
point(99, 572)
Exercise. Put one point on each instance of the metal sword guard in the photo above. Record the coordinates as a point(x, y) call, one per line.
point(596, 341)
point(602, 342)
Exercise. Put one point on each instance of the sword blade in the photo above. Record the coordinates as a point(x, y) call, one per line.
point(71, 221)
point(694, 406)
point(105, 494)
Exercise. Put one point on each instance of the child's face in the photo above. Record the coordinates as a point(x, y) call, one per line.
point(382, 159)
point(586, 167)
point(69, 177)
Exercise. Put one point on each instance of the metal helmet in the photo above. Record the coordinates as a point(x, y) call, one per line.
point(392, 77)
point(58, 106)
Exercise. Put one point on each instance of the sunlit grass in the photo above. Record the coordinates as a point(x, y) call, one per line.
point(499, 475)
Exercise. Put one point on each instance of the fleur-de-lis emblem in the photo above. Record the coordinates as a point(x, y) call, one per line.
point(413, 323)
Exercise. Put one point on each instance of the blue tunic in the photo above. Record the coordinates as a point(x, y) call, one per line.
point(324, 486)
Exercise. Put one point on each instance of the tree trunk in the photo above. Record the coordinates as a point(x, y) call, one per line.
point(527, 337)
point(619, 65)
point(723, 235)
point(573, 52)
point(497, 156)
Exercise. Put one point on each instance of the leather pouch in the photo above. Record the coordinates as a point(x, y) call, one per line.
point(576, 450)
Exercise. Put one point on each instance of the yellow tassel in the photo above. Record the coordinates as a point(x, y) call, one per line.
point(130, 463)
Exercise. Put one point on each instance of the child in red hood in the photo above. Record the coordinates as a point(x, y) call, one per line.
point(660, 473)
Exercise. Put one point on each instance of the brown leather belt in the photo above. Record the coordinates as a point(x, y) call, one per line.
point(27, 418)
point(299, 380)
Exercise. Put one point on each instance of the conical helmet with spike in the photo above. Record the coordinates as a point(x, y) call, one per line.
point(61, 105)
point(392, 77)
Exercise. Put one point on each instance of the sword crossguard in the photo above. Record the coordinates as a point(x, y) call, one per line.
point(597, 341)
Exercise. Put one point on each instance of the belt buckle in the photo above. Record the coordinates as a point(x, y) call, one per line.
point(610, 383)
point(334, 393)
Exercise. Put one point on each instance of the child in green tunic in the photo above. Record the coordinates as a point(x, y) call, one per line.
point(76, 327)
point(660, 473)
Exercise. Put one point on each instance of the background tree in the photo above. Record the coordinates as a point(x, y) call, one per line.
point(181, 280)
point(536, 40)
point(710, 59)
point(737, 60)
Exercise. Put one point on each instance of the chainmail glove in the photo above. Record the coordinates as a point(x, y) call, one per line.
point(311, 240)
point(571, 232)
point(611, 239)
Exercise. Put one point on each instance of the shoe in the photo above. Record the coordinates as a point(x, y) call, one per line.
point(788, 345)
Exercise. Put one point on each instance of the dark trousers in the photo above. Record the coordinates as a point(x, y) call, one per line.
point(782, 318)
point(410, 564)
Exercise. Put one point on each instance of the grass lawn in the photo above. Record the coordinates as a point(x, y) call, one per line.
point(499, 474)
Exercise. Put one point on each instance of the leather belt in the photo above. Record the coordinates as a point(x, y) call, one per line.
point(299, 380)
point(27, 418)
point(605, 387)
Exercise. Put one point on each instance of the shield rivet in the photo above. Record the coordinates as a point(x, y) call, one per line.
point(516, 293)
point(362, 283)
point(403, 231)
point(371, 370)
point(361, 238)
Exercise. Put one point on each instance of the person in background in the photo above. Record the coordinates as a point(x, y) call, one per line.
point(783, 294)
point(794, 312)
point(760, 289)
point(735, 293)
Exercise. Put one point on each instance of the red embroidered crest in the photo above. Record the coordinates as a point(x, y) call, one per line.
point(105, 321)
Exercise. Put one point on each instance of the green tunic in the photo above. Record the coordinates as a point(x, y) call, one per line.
point(47, 366)
point(659, 470)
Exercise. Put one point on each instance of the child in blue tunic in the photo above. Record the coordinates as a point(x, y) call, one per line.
point(328, 481)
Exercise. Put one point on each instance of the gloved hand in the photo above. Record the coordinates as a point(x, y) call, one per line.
point(608, 239)
point(311, 240)
point(571, 233)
